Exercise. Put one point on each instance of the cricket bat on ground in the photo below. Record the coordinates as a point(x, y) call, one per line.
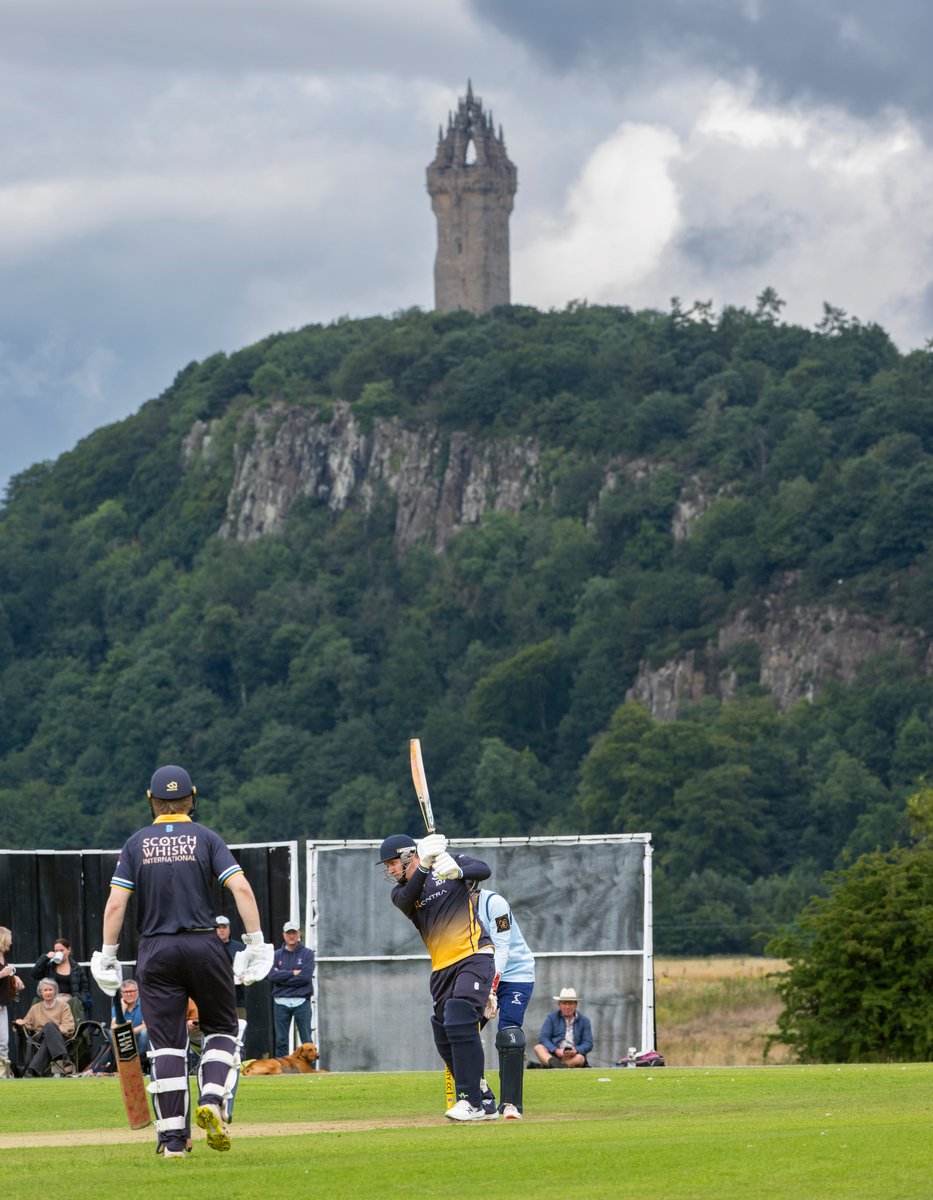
point(130, 1072)
point(420, 781)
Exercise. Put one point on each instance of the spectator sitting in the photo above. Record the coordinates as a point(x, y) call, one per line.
point(51, 1020)
point(125, 1007)
point(292, 988)
point(129, 1008)
point(71, 977)
point(566, 1036)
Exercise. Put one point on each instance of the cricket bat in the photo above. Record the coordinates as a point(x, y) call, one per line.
point(130, 1072)
point(420, 781)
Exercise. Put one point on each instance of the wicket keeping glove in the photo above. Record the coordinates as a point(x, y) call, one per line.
point(106, 969)
point(430, 847)
point(446, 868)
point(254, 961)
point(491, 1006)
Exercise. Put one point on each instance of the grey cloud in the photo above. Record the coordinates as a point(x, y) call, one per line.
point(754, 234)
point(859, 54)
point(217, 36)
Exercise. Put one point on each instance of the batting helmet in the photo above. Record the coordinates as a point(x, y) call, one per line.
point(395, 846)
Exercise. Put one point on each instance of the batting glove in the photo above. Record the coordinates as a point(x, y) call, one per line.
point(106, 969)
point(254, 961)
point(430, 847)
point(446, 868)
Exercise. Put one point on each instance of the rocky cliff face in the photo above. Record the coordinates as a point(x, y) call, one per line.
point(799, 650)
point(443, 483)
point(439, 483)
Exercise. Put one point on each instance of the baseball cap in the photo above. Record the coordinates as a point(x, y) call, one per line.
point(221, 920)
point(170, 783)
point(290, 927)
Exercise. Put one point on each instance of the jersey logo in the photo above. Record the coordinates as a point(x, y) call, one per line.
point(503, 924)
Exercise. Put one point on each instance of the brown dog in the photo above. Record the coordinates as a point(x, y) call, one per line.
point(299, 1063)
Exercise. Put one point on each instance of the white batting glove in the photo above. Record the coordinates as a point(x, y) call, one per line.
point(430, 847)
point(491, 1007)
point(254, 961)
point(446, 868)
point(106, 969)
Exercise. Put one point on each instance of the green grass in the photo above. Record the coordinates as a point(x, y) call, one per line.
point(805, 1132)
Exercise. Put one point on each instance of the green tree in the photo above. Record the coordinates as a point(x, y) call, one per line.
point(860, 979)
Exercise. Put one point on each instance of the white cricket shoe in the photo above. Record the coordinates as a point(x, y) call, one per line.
point(463, 1110)
point(511, 1113)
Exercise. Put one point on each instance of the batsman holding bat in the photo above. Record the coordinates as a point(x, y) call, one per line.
point(432, 889)
point(170, 866)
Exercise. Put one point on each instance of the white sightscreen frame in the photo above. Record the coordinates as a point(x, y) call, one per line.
point(329, 1002)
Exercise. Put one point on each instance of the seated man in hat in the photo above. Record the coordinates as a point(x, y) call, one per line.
point(566, 1036)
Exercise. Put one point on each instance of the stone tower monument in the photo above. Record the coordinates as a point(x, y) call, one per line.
point(471, 183)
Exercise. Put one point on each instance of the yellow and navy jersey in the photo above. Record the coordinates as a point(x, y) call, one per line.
point(171, 866)
point(444, 913)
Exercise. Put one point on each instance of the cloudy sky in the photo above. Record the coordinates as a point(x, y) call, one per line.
point(187, 176)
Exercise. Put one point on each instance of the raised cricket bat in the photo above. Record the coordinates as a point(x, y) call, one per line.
point(420, 781)
point(130, 1072)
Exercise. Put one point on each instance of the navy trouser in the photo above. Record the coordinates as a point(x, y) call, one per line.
point(170, 968)
point(283, 1021)
point(459, 993)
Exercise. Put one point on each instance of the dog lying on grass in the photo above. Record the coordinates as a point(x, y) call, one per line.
point(300, 1063)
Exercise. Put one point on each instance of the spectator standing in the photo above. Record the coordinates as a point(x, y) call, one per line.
point(292, 979)
point(10, 987)
point(71, 977)
point(232, 946)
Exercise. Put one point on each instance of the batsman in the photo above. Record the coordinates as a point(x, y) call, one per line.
point(170, 867)
point(432, 890)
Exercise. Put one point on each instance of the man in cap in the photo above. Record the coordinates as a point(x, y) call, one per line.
point(432, 889)
point(169, 866)
point(566, 1036)
point(292, 979)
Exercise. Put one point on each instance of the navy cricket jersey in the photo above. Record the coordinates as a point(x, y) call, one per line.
point(444, 913)
point(171, 866)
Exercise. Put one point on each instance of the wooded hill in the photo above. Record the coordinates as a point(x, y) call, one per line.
point(287, 672)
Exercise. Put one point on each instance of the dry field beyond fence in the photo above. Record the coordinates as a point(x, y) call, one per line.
point(717, 1012)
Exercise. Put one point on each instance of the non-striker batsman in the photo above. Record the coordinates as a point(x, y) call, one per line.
point(170, 866)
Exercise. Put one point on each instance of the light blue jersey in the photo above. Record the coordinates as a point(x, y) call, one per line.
point(514, 961)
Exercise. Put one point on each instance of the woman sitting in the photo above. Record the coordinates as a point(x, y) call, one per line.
point(50, 1020)
point(71, 977)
